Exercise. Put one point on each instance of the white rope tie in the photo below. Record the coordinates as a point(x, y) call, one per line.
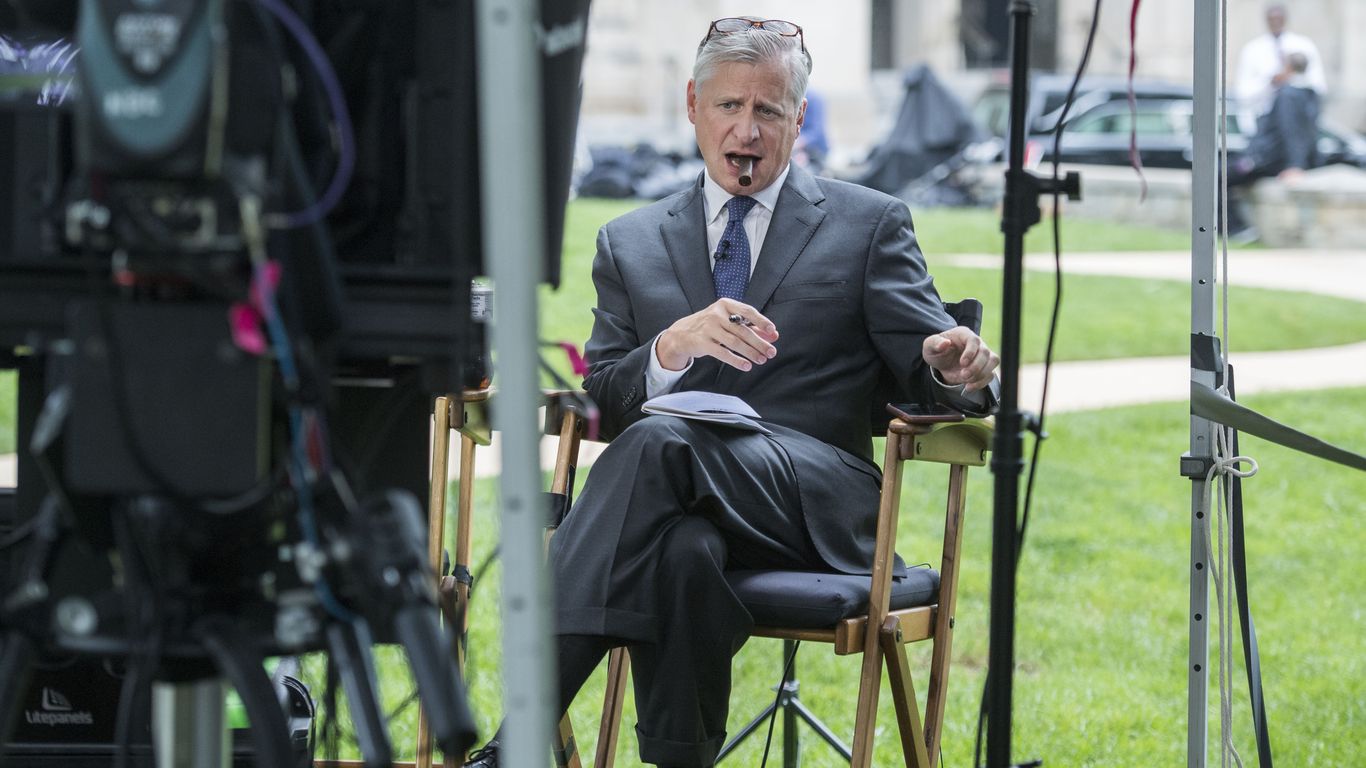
point(1220, 559)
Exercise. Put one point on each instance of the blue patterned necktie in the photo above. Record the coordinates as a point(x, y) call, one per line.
point(731, 272)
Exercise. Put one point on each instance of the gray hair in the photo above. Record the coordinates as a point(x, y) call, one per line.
point(755, 46)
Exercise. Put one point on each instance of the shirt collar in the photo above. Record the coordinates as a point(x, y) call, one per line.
point(716, 197)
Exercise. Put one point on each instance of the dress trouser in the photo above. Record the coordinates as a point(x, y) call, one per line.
point(668, 507)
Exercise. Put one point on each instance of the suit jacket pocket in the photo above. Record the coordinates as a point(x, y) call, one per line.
point(830, 290)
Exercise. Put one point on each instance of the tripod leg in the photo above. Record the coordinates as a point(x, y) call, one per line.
point(16, 657)
point(821, 729)
point(745, 732)
point(17, 649)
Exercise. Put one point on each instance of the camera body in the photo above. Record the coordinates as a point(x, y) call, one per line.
point(226, 355)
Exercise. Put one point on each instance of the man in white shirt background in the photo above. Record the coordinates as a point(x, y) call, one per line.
point(1262, 66)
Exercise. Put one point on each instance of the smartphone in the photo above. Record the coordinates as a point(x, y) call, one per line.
point(918, 413)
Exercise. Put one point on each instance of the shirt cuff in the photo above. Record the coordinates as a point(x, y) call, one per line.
point(976, 403)
point(658, 379)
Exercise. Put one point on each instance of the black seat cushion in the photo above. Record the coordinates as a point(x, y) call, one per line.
point(807, 600)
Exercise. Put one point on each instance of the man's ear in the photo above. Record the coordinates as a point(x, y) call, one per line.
point(801, 114)
point(692, 102)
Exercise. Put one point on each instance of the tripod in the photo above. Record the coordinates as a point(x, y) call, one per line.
point(792, 709)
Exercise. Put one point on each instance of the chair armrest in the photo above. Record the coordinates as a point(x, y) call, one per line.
point(574, 404)
point(469, 414)
point(965, 441)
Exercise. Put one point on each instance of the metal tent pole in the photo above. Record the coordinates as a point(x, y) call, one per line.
point(1205, 360)
point(512, 171)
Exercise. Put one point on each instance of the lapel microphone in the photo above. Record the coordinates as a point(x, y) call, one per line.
point(723, 249)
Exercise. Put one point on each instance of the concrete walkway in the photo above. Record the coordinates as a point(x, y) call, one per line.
point(1088, 385)
point(1331, 273)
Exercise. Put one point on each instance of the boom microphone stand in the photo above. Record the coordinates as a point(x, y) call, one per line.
point(1020, 211)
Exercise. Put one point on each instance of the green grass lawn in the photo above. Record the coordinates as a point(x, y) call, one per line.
point(1101, 645)
point(1102, 317)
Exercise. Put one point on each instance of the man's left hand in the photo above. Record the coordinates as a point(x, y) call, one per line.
point(961, 357)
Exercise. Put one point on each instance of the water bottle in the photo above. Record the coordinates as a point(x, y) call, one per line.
point(476, 370)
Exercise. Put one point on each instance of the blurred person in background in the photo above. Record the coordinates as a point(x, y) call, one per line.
point(1262, 66)
point(813, 144)
point(1284, 145)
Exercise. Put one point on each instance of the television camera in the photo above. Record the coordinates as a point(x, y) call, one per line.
point(242, 236)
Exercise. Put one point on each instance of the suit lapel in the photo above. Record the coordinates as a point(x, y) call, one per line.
point(685, 238)
point(795, 220)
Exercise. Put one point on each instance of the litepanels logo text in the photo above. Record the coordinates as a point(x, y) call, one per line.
point(57, 710)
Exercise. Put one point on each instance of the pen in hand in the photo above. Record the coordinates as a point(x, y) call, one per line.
point(738, 319)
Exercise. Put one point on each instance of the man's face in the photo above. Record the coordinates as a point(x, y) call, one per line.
point(743, 111)
point(1275, 21)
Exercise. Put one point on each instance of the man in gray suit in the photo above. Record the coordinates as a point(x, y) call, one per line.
point(803, 296)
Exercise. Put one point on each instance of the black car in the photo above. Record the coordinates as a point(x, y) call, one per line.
point(1098, 125)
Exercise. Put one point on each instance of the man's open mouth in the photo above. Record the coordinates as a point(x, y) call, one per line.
point(744, 165)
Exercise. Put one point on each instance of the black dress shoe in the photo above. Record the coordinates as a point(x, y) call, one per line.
point(484, 757)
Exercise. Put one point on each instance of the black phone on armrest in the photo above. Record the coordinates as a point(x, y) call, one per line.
point(918, 413)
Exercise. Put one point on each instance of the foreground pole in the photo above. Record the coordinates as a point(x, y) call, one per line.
point(513, 192)
point(1206, 363)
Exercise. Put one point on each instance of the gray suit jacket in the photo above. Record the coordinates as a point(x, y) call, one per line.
point(841, 276)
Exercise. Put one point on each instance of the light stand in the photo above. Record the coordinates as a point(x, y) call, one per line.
point(1020, 211)
point(794, 711)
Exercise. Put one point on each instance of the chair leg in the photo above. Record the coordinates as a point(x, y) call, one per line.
point(436, 528)
point(937, 696)
point(565, 748)
point(464, 532)
point(609, 729)
point(903, 695)
point(865, 719)
point(464, 537)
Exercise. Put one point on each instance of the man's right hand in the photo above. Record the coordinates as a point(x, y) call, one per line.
point(710, 333)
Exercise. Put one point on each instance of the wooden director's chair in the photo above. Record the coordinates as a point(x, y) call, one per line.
point(468, 416)
point(876, 616)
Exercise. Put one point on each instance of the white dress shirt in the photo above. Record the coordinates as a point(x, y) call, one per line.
point(658, 379)
point(1262, 59)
